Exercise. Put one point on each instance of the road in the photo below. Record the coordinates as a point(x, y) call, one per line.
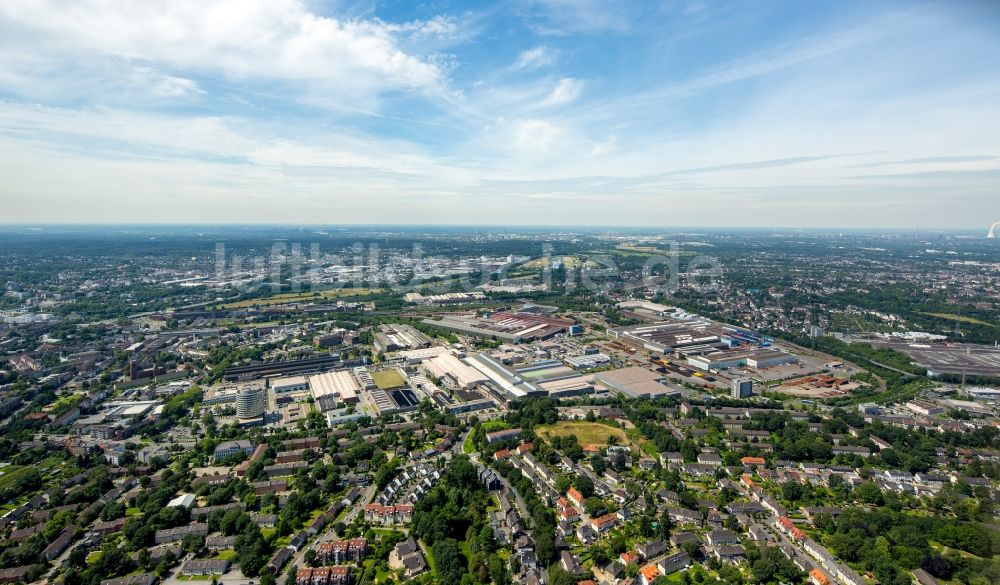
point(522, 508)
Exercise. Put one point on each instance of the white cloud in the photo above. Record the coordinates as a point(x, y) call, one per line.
point(165, 86)
point(263, 41)
point(535, 135)
point(130, 135)
point(534, 58)
point(565, 91)
point(604, 147)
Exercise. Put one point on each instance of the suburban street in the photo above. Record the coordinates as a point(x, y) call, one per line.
point(328, 535)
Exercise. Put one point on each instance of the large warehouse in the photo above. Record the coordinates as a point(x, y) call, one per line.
point(635, 382)
point(754, 358)
point(512, 385)
point(340, 384)
point(665, 337)
point(394, 337)
point(505, 325)
point(448, 367)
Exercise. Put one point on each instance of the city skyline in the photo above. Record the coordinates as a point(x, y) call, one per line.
point(528, 113)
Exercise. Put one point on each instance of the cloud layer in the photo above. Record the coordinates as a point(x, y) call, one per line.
point(534, 112)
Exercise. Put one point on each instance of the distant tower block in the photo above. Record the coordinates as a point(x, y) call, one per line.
point(742, 388)
point(994, 231)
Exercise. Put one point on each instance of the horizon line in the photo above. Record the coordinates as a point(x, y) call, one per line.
point(497, 225)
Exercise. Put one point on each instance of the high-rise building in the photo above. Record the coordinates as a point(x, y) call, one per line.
point(742, 388)
point(250, 403)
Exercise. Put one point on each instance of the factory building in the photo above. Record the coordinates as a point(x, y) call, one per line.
point(512, 386)
point(635, 382)
point(289, 384)
point(448, 367)
point(342, 385)
point(666, 337)
point(394, 337)
point(585, 362)
point(508, 326)
point(756, 358)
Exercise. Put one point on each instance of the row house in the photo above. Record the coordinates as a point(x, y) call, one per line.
point(210, 480)
point(748, 508)
point(684, 516)
point(729, 553)
point(262, 488)
point(386, 515)
point(772, 505)
point(217, 543)
point(569, 514)
point(651, 549)
point(817, 551)
point(699, 469)
point(722, 537)
point(176, 534)
point(673, 563)
point(604, 523)
point(789, 528)
point(109, 527)
point(25, 533)
point(671, 457)
point(335, 575)
point(303, 443)
point(57, 546)
point(810, 512)
point(851, 450)
point(504, 435)
point(198, 513)
point(575, 496)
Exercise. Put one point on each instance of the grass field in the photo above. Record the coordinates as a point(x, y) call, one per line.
point(11, 475)
point(953, 317)
point(568, 262)
point(587, 433)
point(226, 555)
point(304, 296)
point(494, 425)
point(388, 379)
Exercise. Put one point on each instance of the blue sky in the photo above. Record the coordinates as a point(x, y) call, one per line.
point(670, 113)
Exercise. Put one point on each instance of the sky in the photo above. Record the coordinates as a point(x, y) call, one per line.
point(523, 112)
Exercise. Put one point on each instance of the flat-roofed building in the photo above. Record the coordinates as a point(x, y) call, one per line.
point(571, 386)
point(755, 358)
point(394, 337)
point(448, 367)
point(289, 384)
point(665, 337)
point(342, 385)
point(511, 385)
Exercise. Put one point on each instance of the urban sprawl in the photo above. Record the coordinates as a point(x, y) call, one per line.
point(541, 407)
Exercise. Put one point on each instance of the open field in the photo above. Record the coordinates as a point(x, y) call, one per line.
point(10, 474)
point(388, 379)
point(587, 433)
point(288, 298)
point(953, 317)
point(568, 262)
